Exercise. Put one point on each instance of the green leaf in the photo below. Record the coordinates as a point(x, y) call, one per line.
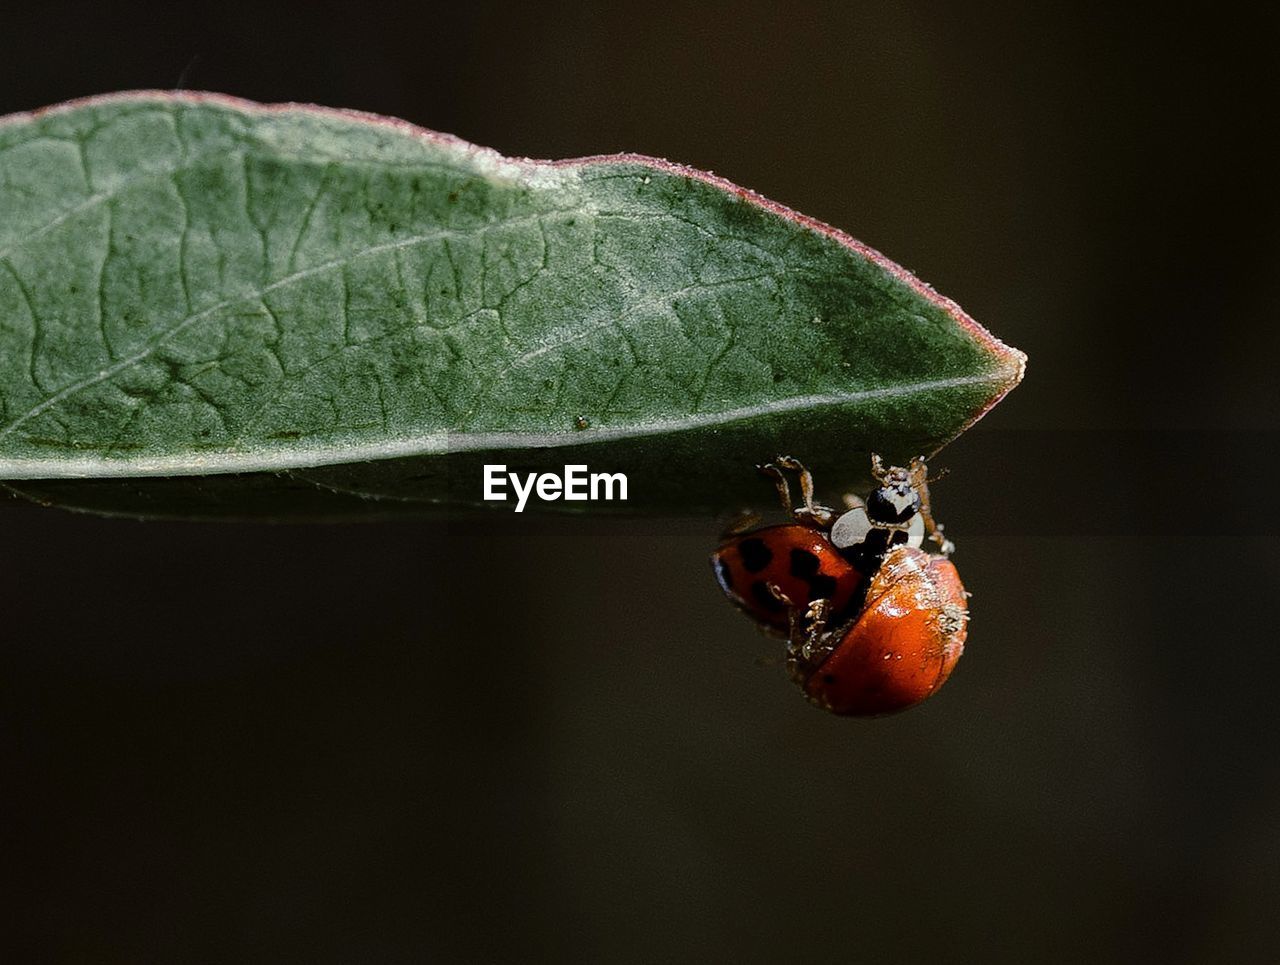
point(302, 297)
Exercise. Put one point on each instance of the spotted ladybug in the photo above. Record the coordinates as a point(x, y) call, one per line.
point(874, 623)
point(790, 562)
point(767, 572)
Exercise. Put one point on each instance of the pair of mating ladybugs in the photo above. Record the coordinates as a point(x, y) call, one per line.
point(873, 623)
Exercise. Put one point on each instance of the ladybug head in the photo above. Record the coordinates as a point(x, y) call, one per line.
point(891, 514)
point(896, 500)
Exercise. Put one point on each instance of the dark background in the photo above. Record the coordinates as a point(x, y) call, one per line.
point(515, 738)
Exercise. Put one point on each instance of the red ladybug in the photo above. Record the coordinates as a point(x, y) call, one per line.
point(898, 650)
point(874, 623)
point(791, 562)
point(770, 571)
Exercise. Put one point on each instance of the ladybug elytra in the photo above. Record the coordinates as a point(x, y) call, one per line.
point(791, 561)
point(769, 570)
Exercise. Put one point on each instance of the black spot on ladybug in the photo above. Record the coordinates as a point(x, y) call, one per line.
point(755, 555)
point(822, 588)
point(724, 574)
point(828, 678)
point(804, 565)
point(764, 596)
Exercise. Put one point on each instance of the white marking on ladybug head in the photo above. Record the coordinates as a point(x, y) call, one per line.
point(851, 528)
point(902, 499)
point(915, 531)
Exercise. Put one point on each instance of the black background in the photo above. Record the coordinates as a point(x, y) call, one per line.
point(516, 738)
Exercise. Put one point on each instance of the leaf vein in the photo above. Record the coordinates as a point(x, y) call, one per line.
point(150, 347)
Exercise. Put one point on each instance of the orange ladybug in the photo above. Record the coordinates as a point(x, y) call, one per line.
point(766, 572)
point(897, 651)
point(874, 623)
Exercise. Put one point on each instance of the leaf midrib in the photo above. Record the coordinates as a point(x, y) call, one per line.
point(447, 441)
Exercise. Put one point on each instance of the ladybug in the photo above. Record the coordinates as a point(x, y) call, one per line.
point(769, 571)
point(876, 635)
point(898, 650)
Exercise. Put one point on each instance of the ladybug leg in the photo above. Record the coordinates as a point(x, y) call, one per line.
point(920, 479)
point(808, 642)
point(806, 478)
point(811, 510)
point(878, 469)
point(816, 617)
point(945, 546)
point(806, 623)
point(780, 483)
point(776, 592)
point(808, 627)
